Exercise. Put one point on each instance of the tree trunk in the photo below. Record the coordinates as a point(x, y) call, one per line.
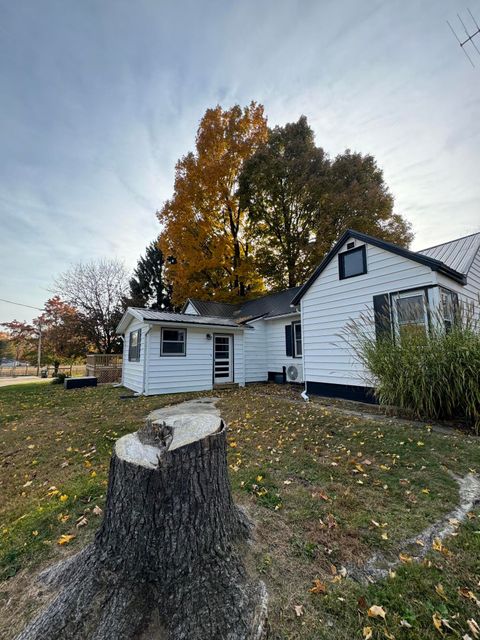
point(165, 563)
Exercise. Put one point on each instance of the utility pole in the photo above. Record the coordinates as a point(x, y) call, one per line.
point(39, 350)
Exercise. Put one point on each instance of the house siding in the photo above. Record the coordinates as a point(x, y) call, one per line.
point(192, 372)
point(256, 352)
point(132, 372)
point(469, 292)
point(276, 350)
point(331, 303)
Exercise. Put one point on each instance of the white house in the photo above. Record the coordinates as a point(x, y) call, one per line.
point(365, 275)
point(296, 335)
point(210, 344)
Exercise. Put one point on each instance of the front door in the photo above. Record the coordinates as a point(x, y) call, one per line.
point(222, 359)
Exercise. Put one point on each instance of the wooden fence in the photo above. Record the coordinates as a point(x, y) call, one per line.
point(106, 367)
point(9, 371)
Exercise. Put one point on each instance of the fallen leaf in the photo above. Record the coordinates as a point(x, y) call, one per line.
point(376, 612)
point(318, 587)
point(441, 591)
point(298, 610)
point(97, 511)
point(367, 633)
point(65, 539)
point(437, 621)
point(474, 628)
point(405, 558)
point(82, 521)
point(404, 623)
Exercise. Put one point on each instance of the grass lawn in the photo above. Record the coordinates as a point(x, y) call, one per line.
point(327, 490)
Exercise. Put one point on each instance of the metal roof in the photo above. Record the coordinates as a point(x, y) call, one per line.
point(456, 254)
point(148, 315)
point(185, 318)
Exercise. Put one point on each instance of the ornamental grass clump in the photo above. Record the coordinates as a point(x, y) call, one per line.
point(434, 374)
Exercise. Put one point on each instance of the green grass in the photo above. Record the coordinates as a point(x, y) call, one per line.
point(315, 480)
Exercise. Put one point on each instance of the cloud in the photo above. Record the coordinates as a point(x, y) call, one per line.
point(99, 100)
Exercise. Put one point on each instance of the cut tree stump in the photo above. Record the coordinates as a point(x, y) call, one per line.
point(165, 563)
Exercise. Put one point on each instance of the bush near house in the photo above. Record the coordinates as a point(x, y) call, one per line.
point(436, 375)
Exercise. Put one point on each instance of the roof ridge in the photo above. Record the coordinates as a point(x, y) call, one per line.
point(441, 244)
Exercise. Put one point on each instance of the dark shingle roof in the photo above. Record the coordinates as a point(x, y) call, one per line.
point(211, 308)
point(456, 254)
point(269, 306)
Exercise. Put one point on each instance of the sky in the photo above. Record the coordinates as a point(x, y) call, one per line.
point(100, 98)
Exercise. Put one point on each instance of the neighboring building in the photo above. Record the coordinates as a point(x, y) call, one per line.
point(296, 335)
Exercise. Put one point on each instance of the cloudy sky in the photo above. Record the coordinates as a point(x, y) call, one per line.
point(99, 98)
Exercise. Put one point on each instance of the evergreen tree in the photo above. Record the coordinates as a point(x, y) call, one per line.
point(147, 286)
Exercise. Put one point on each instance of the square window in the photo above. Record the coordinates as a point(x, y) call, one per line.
point(411, 314)
point(173, 342)
point(352, 263)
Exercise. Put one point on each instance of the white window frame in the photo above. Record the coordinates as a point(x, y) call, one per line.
point(184, 342)
point(404, 295)
point(295, 339)
point(138, 334)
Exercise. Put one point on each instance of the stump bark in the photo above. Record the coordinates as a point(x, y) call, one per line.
point(165, 563)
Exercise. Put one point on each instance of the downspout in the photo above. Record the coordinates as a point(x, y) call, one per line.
point(145, 355)
point(304, 392)
point(122, 338)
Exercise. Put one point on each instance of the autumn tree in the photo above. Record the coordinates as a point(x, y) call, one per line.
point(23, 338)
point(6, 346)
point(96, 289)
point(204, 223)
point(300, 202)
point(63, 333)
point(148, 287)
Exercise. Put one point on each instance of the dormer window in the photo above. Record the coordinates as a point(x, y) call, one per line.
point(352, 263)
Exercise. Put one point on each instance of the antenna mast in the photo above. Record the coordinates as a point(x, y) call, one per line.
point(470, 36)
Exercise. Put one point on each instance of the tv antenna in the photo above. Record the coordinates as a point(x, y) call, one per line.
point(470, 36)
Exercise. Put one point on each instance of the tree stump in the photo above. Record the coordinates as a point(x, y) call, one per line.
point(165, 563)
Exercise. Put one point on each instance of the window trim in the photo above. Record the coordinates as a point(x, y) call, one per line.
point(410, 293)
point(138, 333)
point(295, 354)
point(454, 307)
point(184, 342)
point(341, 262)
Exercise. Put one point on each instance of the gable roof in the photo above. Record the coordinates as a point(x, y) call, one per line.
point(457, 254)
point(420, 257)
point(268, 306)
point(165, 317)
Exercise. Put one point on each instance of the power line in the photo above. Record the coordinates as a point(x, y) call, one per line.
point(19, 304)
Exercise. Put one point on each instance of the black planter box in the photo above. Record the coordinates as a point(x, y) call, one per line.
point(77, 383)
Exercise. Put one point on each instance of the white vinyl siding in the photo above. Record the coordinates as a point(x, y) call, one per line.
point(256, 352)
point(469, 292)
point(191, 309)
point(331, 303)
point(132, 372)
point(194, 371)
point(276, 349)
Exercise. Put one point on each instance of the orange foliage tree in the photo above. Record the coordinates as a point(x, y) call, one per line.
point(204, 226)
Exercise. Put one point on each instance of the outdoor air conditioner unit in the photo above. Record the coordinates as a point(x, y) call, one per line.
point(292, 373)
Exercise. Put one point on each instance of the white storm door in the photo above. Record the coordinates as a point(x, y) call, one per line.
point(222, 358)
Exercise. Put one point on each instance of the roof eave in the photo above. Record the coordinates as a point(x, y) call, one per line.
point(435, 265)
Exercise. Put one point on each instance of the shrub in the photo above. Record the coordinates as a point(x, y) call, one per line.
point(434, 375)
point(59, 378)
